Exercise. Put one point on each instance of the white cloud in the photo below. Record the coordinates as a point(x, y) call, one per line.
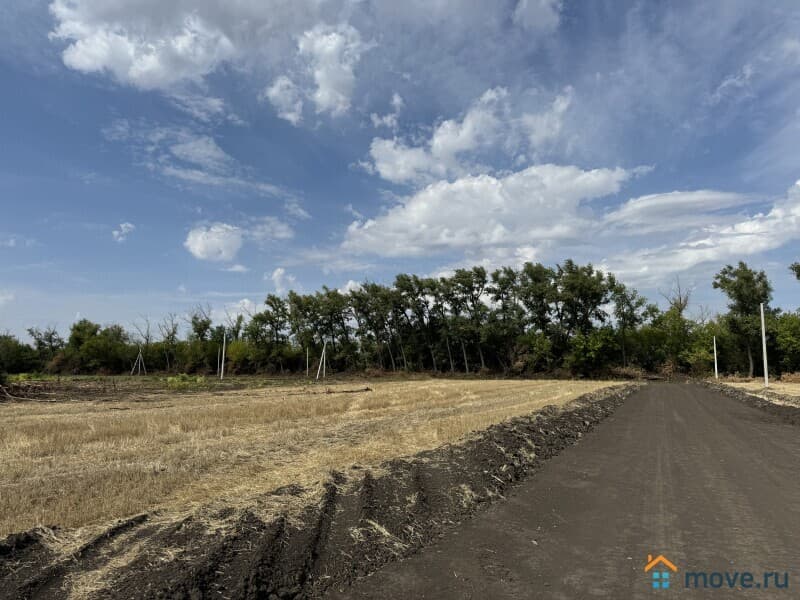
point(186, 155)
point(494, 123)
point(285, 97)
point(221, 242)
point(121, 234)
point(545, 127)
point(282, 281)
point(439, 156)
point(216, 242)
point(389, 120)
point(732, 238)
point(536, 206)
point(541, 16)
point(204, 108)
point(350, 286)
point(267, 229)
point(294, 209)
point(332, 52)
point(673, 211)
point(230, 310)
point(149, 58)
point(236, 269)
point(735, 84)
point(201, 150)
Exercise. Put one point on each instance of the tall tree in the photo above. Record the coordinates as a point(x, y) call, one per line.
point(630, 310)
point(747, 290)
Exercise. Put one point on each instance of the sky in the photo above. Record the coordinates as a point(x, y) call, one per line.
point(156, 155)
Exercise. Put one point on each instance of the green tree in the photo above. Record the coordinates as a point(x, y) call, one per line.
point(630, 310)
point(787, 340)
point(47, 342)
point(16, 357)
point(747, 290)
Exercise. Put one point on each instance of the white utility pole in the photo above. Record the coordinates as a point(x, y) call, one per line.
point(716, 372)
point(222, 364)
point(322, 359)
point(764, 346)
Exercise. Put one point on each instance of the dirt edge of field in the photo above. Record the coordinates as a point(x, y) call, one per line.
point(780, 405)
point(360, 524)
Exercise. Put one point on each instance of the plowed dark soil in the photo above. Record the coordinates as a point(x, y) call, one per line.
point(708, 479)
point(357, 527)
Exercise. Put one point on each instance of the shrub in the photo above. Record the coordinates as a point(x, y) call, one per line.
point(185, 382)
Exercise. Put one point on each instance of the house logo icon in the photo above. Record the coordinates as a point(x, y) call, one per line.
point(659, 569)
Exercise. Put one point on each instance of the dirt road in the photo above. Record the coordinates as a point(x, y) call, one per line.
point(678, 470)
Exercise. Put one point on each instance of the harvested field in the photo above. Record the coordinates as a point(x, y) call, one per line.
point(362, 518)
point(76, 463)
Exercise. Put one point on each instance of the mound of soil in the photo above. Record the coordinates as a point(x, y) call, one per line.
point(359, 525)
point(786, 408)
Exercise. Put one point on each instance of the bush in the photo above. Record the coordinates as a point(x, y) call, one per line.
point(185, 382)
point(592, 354)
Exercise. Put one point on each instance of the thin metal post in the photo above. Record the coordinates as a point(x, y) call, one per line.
point(222, 364)
point(716, 372)
point(764, 347)
point(306, 362)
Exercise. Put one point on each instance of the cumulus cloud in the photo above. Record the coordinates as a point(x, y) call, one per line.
point(134, 51)
point(350, 286)
point(332, 53)
point(285, 96)
point(545, 212)
point(215, 242)
point(282, 281)
point(535, 205)
point(221, 242)
point(121, 234)
point(494, 123)
point(439, 156)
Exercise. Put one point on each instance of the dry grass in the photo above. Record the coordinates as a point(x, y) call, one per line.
point(777, 387)
point(73, 463)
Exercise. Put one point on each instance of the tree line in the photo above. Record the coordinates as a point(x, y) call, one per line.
point(570, 318)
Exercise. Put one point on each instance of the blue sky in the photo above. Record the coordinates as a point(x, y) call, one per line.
point(156, 155)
